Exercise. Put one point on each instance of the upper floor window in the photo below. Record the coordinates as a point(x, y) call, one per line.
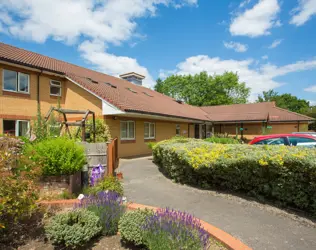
point(55, 88)
point(127, 130)
point(149, 130)
point(16, 81)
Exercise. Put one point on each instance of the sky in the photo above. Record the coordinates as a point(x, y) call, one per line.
point(271, 44)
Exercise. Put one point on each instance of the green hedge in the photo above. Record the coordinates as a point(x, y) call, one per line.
point(57, 156)
point(285, 174)
point(221, 140)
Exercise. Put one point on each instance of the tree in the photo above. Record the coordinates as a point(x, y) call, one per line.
point(312, 113)
point(203, 89)
point(286, 101)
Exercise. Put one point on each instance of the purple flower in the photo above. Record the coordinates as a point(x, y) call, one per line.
point(97, 173)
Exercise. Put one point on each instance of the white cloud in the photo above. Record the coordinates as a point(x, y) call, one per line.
point(303, 12)
point(256, 21)
point(265, 57)
point(311, 89)
point(238, 47)
point(275, 43)
point(312, 103)
point(107, 22)
point(258, 77)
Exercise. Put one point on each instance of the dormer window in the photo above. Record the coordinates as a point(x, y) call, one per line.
point(133, 78)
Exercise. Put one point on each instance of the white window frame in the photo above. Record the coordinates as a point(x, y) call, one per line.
point(17, 82)
point(55, 85)
point(28, 83)
point(178, 127)
point(17, 125)
point(127, 131)
point(150, 137)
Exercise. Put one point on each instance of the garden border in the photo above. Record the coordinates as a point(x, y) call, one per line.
point(225, 238)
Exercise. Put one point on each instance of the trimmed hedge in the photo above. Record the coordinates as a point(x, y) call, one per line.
point(285, 174)
point(226, 140)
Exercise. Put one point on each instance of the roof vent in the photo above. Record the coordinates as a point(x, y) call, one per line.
point(179, 101)
point(135, 92)
point(148, 94)
point(91, 80)
point(133, 78)
point(111, 85)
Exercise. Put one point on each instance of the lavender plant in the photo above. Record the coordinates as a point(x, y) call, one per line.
point(171, 229)
point(97, 174)
point(108, 207)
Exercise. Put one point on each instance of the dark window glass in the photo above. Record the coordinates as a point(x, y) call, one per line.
point(272, 141)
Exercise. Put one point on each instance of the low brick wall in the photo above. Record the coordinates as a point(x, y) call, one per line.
point(55, 185)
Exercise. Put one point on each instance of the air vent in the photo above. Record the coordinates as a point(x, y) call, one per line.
point(91, 80)
point(148, 94)
point(179, 101)
point(111, 85)
point(135, 92)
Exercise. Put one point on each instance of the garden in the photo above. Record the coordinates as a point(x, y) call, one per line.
point(100, 219)
point(283, 175)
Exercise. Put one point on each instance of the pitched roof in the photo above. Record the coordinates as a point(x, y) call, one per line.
point(120, 93)
point(264, 111)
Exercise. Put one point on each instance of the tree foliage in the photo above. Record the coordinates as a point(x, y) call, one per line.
point(205, 90)
point(286, 101)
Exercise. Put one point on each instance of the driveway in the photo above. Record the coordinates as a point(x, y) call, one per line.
point(259, 226)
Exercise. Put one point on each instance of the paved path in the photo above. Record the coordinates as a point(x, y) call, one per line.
point(259, 226)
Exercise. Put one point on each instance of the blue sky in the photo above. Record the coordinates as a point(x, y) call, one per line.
point(270, 43)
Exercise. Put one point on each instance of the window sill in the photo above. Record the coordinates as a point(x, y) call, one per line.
point(150, 140)
point(127, 141)
point(55, 96)
point(17, 94)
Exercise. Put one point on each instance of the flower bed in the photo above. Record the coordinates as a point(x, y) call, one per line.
point(285, 174)
point(139, 225)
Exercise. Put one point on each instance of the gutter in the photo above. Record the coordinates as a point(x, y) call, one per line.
point(164, 115)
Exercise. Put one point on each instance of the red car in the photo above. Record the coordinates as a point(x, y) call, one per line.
point(285, 139)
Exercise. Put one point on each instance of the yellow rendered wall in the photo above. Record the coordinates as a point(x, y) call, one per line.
point(19, 106)
point(164, 130)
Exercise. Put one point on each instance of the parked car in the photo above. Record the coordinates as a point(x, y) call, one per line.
point(305, 133)
point(301, 140)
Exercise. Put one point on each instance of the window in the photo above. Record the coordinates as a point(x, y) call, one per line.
point(15, 128)
point(55, 88)
point(16, 81)
point(272, 141)
point(178, 130)
point(127, 130)
point(149, 130)
point(302, 142)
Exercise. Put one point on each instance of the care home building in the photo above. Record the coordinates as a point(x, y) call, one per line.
point(135, 114)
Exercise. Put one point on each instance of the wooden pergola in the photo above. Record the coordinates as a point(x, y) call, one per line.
point(80, 124)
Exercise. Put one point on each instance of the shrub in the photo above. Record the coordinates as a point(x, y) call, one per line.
point(222, 140)
point(58, 156)
point(18, 189)
point(109, 183)
point(171, 229)
point(101, 128)
point(74, 228)
point(108, 207)
point(131, 225)
point(285, 174)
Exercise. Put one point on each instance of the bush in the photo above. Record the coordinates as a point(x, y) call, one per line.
point(18, 189)
point(285, 174)
point(58, 156)
point(109, 183)
point(108, 207)
point(131, 225)
point(170, 229)
point(74, 228)
point(222, 140)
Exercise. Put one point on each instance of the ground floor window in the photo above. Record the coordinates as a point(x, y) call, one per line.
point(178, 130)
point(127, 130)
point(149, 130)
point(15, 127)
